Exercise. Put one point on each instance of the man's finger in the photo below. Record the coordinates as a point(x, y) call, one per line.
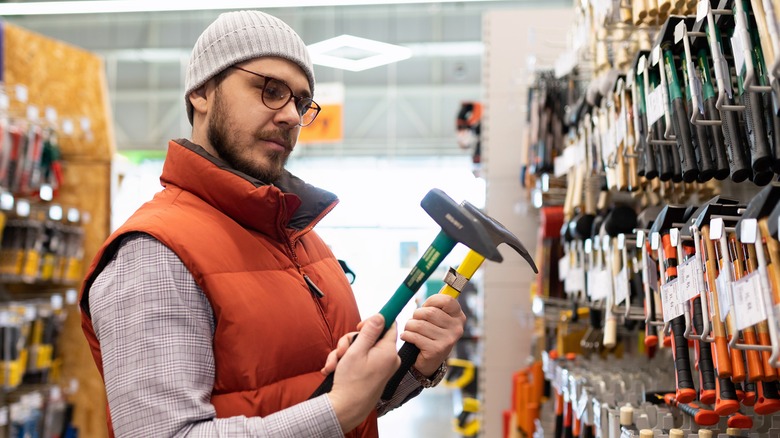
point(369, 333)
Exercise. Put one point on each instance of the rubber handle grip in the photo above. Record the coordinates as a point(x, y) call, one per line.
point(701, 148)
point(726, 403)
point(408, 354)
point(776, 141)
point(749, 399)
point(717, 143)
point(686, 391)
point(702, 417)
point(738, 369)
point(651, 161)
point(682, 131)
point(735, 147)
point(760, 155)
point(706, 366)
point(663, 157)
point(768, 398)
point(739, 421)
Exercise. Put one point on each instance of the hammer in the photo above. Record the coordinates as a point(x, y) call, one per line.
point(456, 279)
point(457, 225)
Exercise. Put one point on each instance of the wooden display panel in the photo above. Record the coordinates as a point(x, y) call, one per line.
point(72, 82)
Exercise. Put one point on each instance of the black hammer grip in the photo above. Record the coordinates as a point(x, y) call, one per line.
point(735, 148)
point(775, 124)
point(701, 146)
point(760, 155)
point(649, 169)
point(663, 160)
point(682, 130)
point(408, 354)
point(706, 367)
point(686, 391)
point(717, 143)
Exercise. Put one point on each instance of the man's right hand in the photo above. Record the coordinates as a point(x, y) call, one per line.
point(363, 371)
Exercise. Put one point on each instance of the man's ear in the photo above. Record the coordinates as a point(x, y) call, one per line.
point(198, 100)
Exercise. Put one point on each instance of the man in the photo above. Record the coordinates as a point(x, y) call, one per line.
point(216, 310)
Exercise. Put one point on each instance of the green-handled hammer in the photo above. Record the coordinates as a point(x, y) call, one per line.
point(457, 225)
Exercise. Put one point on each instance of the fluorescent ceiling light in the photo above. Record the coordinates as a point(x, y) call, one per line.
point(352, 53)
point(116, 6)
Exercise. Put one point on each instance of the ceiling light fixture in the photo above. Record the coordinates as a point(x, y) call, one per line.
point(117, 6)
point(352, 53)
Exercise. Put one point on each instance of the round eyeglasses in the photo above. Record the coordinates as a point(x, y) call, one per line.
point(276, 94)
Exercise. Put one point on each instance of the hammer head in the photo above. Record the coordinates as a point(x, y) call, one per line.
point(499, 234)
point(460, 225)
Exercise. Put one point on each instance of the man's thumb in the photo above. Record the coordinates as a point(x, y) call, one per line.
point(370, 332)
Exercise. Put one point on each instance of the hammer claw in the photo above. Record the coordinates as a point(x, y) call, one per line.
point(500, 234)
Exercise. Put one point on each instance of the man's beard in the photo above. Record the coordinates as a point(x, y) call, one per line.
point(218, 133)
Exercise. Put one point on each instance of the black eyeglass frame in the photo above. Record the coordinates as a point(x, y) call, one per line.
point(298, 99)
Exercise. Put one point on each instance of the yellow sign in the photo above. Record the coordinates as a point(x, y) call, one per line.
point(327, 127)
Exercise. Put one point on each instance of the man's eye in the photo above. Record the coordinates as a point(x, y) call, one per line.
point(274, 90)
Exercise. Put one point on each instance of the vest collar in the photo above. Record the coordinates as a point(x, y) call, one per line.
point(295, 204)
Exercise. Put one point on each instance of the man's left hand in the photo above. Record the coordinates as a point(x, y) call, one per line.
point(434, 328)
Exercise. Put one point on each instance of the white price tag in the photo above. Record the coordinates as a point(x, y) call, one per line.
point(575, 281)
point(621, 286)
point(655, 105)
point(33, 113)
point(563, 268)
point(748, 308)
point(737, 48)
point(689, 284)
point(602, 285)
point(582, 404)
point(702, 9)
point(670, 299)
point(20, 91)
point(655, 55)
point(67, 126)
point(724, 296)
point(695, 80)
point(651, 268)
point(597, 418)
point(640, 65)
point(679, 31)
point(560, 166)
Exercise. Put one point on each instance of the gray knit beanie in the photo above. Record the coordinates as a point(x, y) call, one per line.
point(235, 37)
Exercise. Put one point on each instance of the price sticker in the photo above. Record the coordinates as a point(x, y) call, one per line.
point(563, 268)
point(689, 284)
point(582, 403)
point(655, 105)
point(702, 9)
point(748, 307)
point(670, 299)
point(560, 166)
point(597, 417)
point(602, 284)
point(695, 82)
point(651, 268)
point(575, 281)
point(724, 296)
point(738, 49)
point(621, 286)
point(679, 31)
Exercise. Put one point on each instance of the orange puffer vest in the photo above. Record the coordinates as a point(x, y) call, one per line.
point(250, 248)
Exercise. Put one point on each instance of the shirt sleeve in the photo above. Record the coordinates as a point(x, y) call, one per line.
point(155, 327)
point(408, 389)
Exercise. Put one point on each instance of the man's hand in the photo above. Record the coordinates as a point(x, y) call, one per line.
point(434, 329)
point(362, 371)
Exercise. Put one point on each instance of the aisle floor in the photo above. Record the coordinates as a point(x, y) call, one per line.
point(429, 415)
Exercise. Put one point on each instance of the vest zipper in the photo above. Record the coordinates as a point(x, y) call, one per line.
point(313, 287)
